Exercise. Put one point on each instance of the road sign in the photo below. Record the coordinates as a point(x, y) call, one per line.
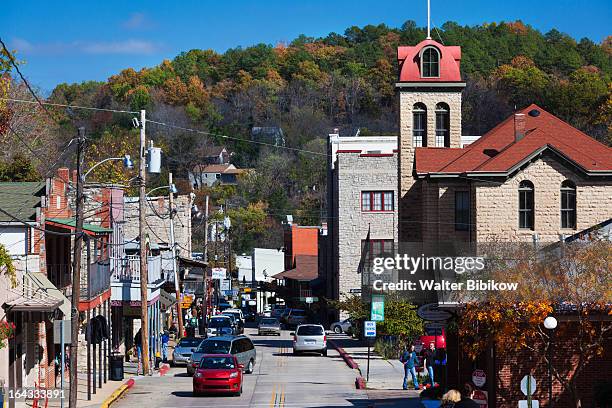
point(57, 331)
point(219, 273)
point(481, 398)
point(525, 404)
point(528, 385)
point(479, 378)
point(377, 313)
point(355, 290)
point(431, 312)
point(309, 299)
point(370, 328)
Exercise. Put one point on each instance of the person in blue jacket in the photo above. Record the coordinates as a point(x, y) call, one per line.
point(411, 361)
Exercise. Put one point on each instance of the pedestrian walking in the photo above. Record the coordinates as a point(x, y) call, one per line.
point(138, 344)
point(429, 358)
point(165, 338)
point(410, 360)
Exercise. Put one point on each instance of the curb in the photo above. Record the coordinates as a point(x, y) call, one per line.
point(345, 356)
point(118, 393)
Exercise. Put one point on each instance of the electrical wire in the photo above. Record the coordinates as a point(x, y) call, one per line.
point(185, 129)
point(69, 106)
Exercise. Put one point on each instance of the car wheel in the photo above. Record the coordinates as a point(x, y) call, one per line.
point(324, 353)
point(337, 329)
point(249, 367)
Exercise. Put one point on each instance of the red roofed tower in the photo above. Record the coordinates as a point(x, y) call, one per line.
point(430, 89)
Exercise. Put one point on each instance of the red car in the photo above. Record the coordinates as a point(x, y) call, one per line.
point(218, 373)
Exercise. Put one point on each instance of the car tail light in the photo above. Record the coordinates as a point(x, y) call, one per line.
point(234, 374)
point(324, 338)
point(295, 339)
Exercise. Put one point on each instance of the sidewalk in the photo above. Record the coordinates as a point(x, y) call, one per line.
point(386, 376)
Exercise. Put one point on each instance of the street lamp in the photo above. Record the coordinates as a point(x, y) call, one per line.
point(550, 324)
point(171, 188)
point(126, 159)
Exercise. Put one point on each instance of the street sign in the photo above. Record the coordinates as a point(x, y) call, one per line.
point(528, 385)
point(431, 312)
point(309, 300)
point(525, 404)
point(377, 312)
point(355, 290)
point(481, 398)
point(479, 378)
point(218, 273)
point(57, 331)
point(370, 328)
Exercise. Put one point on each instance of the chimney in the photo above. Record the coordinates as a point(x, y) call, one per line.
point(519, 126)
point(63, 174)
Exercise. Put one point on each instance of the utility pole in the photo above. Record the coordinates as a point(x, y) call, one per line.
point(207, 291)
point(76, 272)
point(177, 287)
point(144, 312)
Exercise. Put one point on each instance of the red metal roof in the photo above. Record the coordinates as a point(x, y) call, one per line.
point(498, 152)
point(409, 60)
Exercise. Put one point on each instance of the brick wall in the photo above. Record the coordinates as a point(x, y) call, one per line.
point(497, 205)
point(357, 173)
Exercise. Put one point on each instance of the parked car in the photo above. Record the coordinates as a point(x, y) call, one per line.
point(269, 325)
point(295, 317)
point(219, 325)
point(184, 348)
point(310, 337)
point(239, 346)
point(218, 373)
point(342, 326)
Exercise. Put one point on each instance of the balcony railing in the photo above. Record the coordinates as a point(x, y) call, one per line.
point(97, 280)
point(128, 269)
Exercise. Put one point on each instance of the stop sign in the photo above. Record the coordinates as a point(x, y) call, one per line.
point(480, 397)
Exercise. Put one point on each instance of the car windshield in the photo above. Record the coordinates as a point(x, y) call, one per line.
point(217, 363)
point(235, 314)
point(216, 323)
point(269, 321)
point(310, 331)
point(189, 342)
point(212, 346)
point(232, 318)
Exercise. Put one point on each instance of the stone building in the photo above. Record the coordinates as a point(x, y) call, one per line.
point(361, 208)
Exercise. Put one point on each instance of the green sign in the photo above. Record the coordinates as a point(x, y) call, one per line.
point(377, 313)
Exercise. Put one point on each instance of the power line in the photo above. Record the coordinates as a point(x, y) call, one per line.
point(14, 64)
point(236, 138)
point(69, 106)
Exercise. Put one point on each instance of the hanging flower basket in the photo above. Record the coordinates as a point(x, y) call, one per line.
point(7, 331)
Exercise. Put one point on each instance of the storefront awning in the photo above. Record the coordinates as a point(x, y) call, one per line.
point(70, 224)
point(38, 294)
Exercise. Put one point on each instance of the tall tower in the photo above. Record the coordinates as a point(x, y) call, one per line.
point(429, 89)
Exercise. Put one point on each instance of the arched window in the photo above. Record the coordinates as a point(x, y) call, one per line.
point(419, 125)
point(568, 204)
point(442, 125)
point(526, 205)
point(430, 63)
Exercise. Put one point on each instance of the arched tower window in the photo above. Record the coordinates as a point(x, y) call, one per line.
point(442, 125)
point(430, 63)
point(526, 205)
point(568, 204)
point(419, 125)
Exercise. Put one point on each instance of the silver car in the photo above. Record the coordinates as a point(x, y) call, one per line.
point(240, 346)
point(269, 325)
point(310, 337)
point(184, 348)
point(342, 326)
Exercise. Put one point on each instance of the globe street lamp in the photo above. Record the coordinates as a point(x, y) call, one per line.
point(550, 324)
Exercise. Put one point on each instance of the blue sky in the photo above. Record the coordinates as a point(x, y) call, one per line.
point(73, 41)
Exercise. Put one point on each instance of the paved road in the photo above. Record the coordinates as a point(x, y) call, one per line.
point(280, 380)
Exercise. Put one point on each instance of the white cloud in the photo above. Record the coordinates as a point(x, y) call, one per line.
point(129, 47)
point(137, 21)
